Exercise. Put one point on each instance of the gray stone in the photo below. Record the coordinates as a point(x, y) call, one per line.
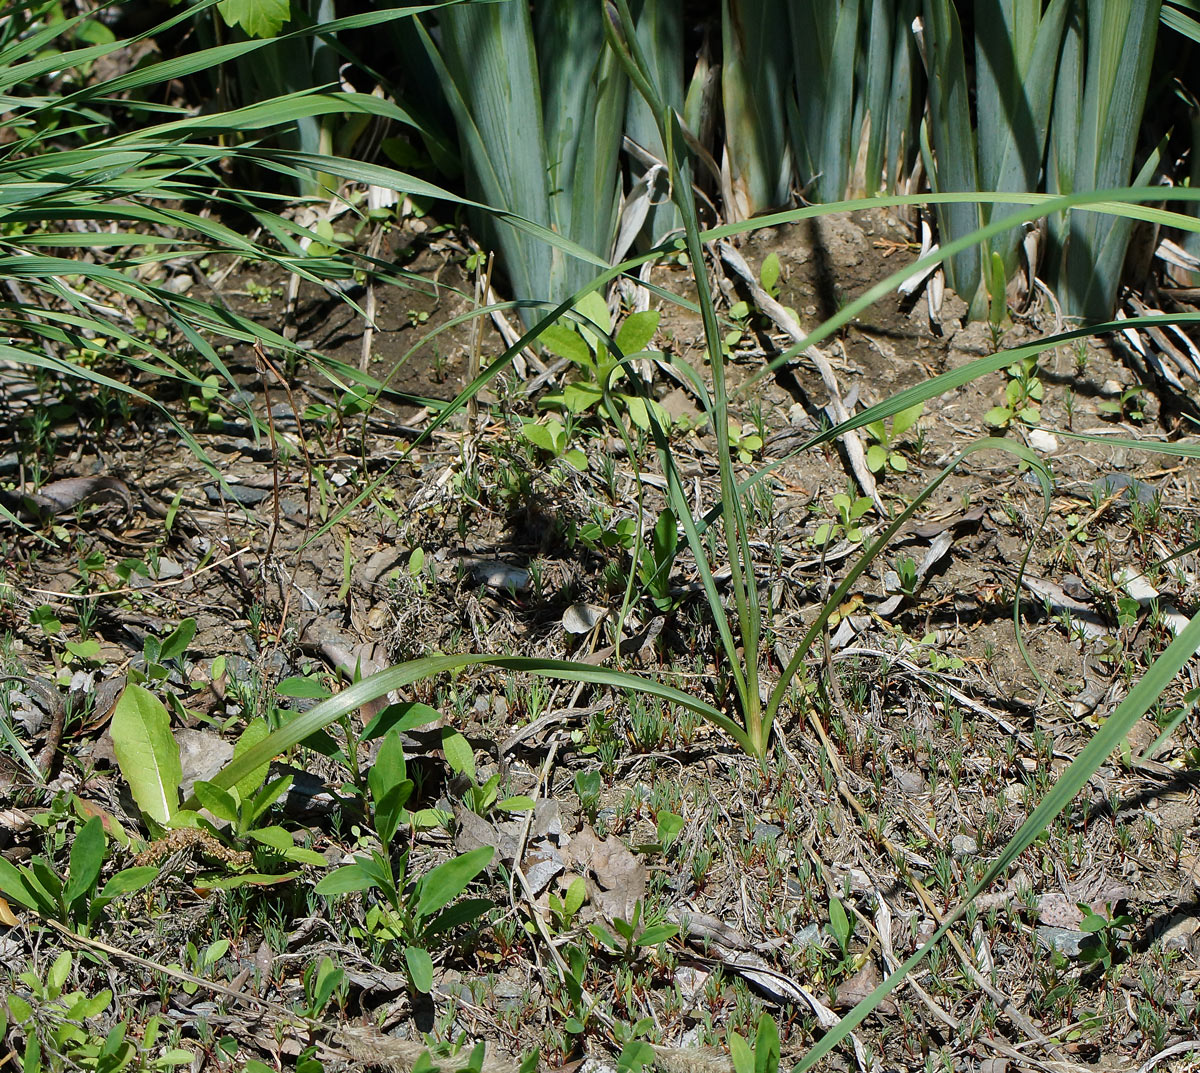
point(963, 846)
point(1067, 942)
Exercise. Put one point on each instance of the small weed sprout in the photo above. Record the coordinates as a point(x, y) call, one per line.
point(1022, 396)
point(848, 513)
point(883, 453)
point(1130, 404)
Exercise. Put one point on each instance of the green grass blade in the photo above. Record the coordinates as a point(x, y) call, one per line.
point(383, 682)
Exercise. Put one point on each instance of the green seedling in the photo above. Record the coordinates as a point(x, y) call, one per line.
point(322, 982)
point(654, 563)
point(574, 1019)
point(744, 441)
point(739, 313)
point(668, 826)
point(411, 913)
point(159, 652)
point(202, 962)
point(996, 281)
point(848, 524)
point(764, 1056)
point(550, 435)
point(564, 909)
point(44, 618)
point(636, 1054)
point(587, 789)
point(1022, 396)
point(1108, 942)
point(906, 572)
point(598, 369)
point(769, 273)
point(633, 939)
point(480, 798)
point(75, 900)
point(1131, 404)
point(939, 661)
point(605, 534)
point(840, 927)
point(204, 405)
point(882, 454)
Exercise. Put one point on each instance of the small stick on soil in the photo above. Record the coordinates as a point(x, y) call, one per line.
point(364, 358)
point(851, 440)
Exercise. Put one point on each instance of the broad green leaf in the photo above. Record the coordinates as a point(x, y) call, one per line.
point(567, 343)
point(389, 810)
point(247, 879)
point(448, 880)
point(769, 272)
point(87, 856)
point(328, 978)
point(219, 802)
point(581, 395)
point(465, 911)
point(265, 798)
point(657, 933)
point(14, 887)
point(275, 837)
point(21, 1011)
point(605, 937)
point(401, 716)
point(636, 331)
point(344, 880)
point(259, 18)
point(175, 644)
point(302, 686)
point(905, 419)
point(146, 752)
point(389, 770)
point(547, 436)
point(255, 731)
point(766, 1045)
point(128, 880)
point(669, 826)
point(635, 1056)
point(740, 1053)
point(458, 753)
point(594, 309)
point(420, 968)
point(518, 803)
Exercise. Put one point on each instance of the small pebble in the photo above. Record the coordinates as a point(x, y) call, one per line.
point(963, 846)
point(1045, 442)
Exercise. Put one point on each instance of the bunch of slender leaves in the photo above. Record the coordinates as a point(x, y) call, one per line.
point(411, 914)
point(76, 899)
